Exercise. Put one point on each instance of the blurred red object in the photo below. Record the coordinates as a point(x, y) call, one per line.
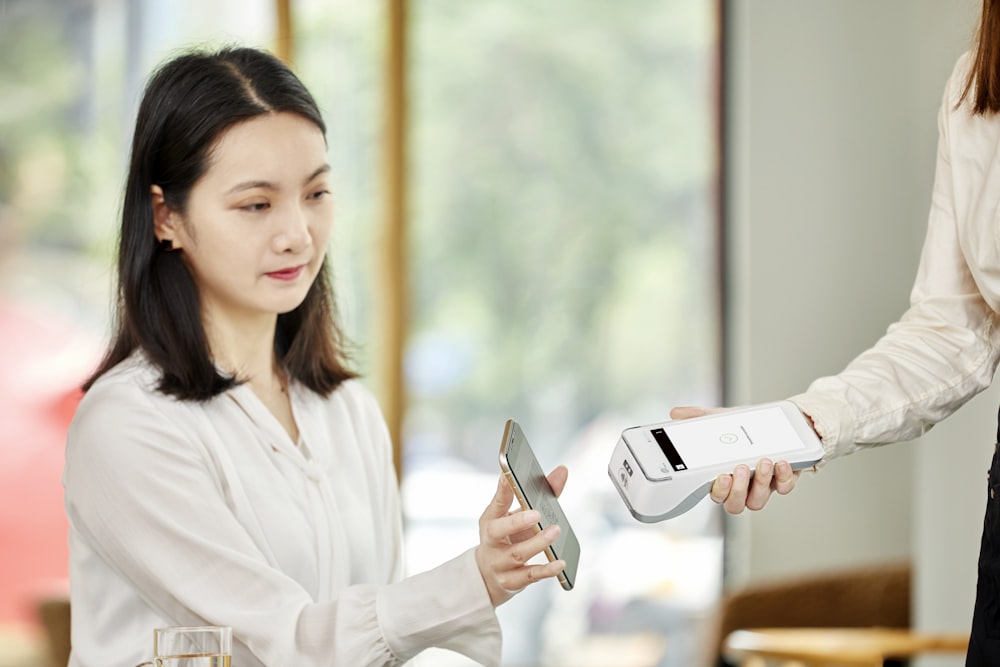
point(44, 357)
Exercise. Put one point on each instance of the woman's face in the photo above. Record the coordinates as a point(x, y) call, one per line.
point(257, 222)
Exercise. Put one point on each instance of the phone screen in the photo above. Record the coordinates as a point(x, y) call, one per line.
point(533, 492)
point(690, 444)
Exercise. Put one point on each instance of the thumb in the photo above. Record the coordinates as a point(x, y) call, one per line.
point(501, 501)
point(686, 412)
point(557, 479)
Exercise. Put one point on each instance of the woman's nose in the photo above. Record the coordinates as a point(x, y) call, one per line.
point(293, 234)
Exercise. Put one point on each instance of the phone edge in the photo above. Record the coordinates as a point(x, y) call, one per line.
point(522, 499)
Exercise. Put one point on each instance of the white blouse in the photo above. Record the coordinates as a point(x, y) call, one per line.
point(206, 513)
point(946, 347)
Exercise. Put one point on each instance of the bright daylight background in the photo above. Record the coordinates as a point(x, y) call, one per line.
point(563, 269)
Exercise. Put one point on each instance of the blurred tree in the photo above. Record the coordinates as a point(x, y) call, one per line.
point(564, 218)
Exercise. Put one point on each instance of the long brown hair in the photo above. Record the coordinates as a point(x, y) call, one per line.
point(187, 105)
point(983, 83)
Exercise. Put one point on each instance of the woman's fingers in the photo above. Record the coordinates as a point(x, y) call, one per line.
point(517, 580)
point(785, 477)
point(760, 486)
point(509, 540)
point(721, 487)
point(736, 501)
point(503, 528)
point(503, 561)
point(520, 553)
point(741, 490)
point(513, 571)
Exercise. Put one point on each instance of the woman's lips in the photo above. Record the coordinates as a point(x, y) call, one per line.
point(287, 274)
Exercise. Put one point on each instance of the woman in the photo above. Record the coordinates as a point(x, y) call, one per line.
point(946, 347)
point(224, 466)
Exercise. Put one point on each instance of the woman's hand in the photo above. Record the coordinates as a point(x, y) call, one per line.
point(508, 540)
point(736, 491)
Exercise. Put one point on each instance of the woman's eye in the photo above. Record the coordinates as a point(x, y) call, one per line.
point(256, 206)
point(319, 194)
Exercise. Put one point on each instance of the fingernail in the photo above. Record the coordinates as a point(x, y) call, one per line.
point(725, 481)
point(530, 516)
point(766, 468)
point(552, 531)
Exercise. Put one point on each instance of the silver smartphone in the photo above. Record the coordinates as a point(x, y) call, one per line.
point(532, 491)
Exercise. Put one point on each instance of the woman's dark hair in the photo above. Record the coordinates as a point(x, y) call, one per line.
point(187, 105)
point(983, 82)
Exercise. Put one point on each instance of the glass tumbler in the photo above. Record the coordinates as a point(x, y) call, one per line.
point(192, 646)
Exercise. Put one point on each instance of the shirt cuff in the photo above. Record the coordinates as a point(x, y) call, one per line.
point(447, 607)
point(829, 420)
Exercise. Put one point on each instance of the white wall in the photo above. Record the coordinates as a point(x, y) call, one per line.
point(831, 122)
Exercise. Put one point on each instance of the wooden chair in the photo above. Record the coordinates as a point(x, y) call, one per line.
point(868, 596)
point(55, 617)
point(846, 647)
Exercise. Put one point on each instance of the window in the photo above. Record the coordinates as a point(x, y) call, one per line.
point(564, 235)
point(563, 265)
point(70, 76)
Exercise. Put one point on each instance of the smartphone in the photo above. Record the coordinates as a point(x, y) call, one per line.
point(532, 491)
point(664, 469)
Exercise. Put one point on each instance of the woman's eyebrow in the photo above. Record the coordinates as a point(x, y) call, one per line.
point(268, 185)
point(321, 170)
point(250, 185)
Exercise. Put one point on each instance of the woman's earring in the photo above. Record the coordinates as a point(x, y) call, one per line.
point(166, 245)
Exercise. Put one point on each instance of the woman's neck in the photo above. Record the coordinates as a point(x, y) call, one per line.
point(245, 349)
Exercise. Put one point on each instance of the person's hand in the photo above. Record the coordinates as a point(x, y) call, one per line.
point(508, 540)
point(736, 491)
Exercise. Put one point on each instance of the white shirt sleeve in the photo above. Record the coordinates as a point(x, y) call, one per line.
point(157, 539)
point(941, 352)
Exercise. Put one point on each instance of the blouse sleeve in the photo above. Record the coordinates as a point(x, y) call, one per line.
point(147, 501)
point(936, 357)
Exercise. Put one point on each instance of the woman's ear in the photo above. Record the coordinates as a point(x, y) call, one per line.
point(165, 221)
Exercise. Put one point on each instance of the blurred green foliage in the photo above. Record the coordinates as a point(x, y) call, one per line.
point(57, 146)
point(564, 223)
point(563, 165)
